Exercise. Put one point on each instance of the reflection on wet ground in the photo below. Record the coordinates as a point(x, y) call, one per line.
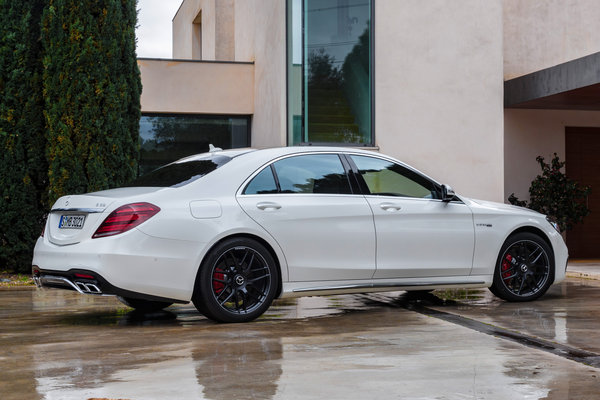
point(568, 314)
point(60, 345)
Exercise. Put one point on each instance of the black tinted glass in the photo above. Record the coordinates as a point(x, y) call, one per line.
point(180, 173)
point(315, 173)
point(263, 183)
point(166, 138)
point(386, 178)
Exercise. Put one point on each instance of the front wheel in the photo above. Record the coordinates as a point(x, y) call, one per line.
point(237, 281)
point(524, 269)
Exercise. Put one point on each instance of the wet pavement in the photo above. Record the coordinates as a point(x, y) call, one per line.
point(449, 345)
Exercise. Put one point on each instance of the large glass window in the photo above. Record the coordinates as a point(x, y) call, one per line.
point(386, 178)
point(329, 71)
point(165, 138)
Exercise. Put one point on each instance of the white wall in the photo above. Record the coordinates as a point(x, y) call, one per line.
point(197, 87)
point(542, 33)
point(183, 29)
point(439, 90)
point(245, 30)
point(269, 121)
point(532, 133)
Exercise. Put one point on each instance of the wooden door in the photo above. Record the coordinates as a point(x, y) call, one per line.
point(583, 165)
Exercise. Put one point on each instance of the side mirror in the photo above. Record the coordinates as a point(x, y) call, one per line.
point(447, 193)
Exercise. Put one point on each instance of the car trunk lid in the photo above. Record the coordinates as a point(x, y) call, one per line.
point(75, 218)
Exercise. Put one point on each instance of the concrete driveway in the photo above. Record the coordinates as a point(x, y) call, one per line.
point(449, 345)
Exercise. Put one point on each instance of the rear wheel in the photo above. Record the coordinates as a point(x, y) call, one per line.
point(237, 281)
point(524, 269)
point(144, 305)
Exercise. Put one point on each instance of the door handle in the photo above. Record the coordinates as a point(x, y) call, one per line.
point(391, 207)
point(267, 205)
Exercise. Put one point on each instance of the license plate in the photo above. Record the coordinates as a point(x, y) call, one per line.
point(71, 221)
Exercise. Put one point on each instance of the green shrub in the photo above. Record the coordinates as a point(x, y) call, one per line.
point(554, 194)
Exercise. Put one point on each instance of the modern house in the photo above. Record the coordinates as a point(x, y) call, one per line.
point(467, 91)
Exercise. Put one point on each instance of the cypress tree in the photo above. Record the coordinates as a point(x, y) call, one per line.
point(92, 88)
point(23, 165)
point(69, 109)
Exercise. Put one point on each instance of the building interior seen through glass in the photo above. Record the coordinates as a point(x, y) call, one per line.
point(329, 71)
point(165, 138)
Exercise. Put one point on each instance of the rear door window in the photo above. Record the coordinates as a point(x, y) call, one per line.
point(263, 183)
point(310, 173)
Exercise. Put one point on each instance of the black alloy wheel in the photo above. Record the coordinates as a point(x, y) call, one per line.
point(524, 269)
point(237, 281)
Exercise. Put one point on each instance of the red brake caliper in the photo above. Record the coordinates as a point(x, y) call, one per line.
point(506, 264)
point(218, 286)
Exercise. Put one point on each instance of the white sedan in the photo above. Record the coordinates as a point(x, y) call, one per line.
point(232, 230)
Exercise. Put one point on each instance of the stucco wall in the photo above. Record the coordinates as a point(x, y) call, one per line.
point(439, 90)
point(245, 30)
point(542, 33)
point(183, 29)
point(269, 121)
point(532, 133)
point(197, 87)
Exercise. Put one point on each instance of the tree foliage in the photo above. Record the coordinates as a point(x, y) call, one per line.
point(69, 110)
point(554, 194)
point(22, 162)
point(91, 91)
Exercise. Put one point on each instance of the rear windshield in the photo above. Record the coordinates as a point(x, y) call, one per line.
point(180, 173)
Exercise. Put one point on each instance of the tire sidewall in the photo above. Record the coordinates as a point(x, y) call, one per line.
point(499, 289)
point(203, 297)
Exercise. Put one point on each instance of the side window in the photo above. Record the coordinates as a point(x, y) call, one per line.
point(389, 179)
point(263, 183)
point(312, 173)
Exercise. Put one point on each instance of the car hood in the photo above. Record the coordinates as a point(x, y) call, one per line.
point(485, 205)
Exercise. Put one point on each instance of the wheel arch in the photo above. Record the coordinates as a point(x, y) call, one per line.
point(534, 230)
point(262, 241)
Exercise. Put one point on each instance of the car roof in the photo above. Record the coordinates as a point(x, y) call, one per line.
point(275, 152)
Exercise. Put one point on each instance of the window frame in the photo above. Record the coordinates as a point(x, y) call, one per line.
point(365, 188)
point(247, 117)
point(353, 184)
point(288, 58)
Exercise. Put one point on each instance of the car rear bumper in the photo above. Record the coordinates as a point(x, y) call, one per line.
point(88, 282)
point(133, 262)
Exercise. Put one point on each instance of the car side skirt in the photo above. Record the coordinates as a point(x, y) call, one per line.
point(299, 289)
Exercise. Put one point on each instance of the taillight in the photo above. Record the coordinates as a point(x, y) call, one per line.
point(125, 218)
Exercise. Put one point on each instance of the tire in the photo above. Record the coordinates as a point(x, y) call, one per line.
point(144, 305)
point(237, 281)
point(524, 269)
